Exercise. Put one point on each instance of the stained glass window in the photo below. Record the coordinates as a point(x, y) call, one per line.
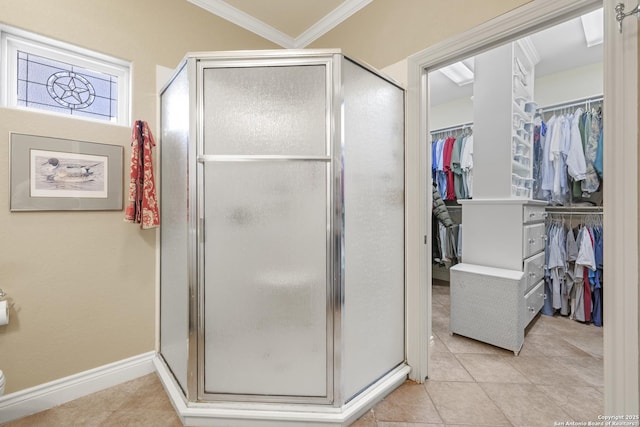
point(49, 75)
point(57, 86)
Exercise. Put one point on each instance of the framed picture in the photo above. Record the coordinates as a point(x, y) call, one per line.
point(61, 174)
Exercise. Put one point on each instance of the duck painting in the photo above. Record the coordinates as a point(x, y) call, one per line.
point(68, 174)
point(58, 172)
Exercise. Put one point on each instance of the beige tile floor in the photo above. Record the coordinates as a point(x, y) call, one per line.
point(557, 377)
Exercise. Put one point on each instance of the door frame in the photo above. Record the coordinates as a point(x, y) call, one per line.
point(621, 320)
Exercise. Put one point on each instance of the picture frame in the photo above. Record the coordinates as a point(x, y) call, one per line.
point(54, 174)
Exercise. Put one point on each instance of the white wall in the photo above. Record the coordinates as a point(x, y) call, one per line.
point(552, 89)
point(569, 85)
point(452, 113)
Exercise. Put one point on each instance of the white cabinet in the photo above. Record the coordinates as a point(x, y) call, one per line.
point(499, 287)
point(503, 111)
point(488, 305)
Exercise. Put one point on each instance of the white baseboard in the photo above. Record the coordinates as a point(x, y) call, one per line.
point(45, 396)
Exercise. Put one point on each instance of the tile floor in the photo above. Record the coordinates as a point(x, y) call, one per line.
point(141, 403)
point(557, 377)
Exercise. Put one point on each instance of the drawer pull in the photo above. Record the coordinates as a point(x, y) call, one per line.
point(531, 309)
point(532, 274)
point(532, 241)
point(544, 238)
point(545, 214)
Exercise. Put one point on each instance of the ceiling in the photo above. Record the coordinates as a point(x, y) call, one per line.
point(560, 48)
point(288, 23)
point(297, 23)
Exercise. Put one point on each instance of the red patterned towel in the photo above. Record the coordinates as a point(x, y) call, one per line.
point(142, 206)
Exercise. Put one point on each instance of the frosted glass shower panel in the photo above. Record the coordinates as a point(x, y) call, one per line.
point(374, 227)
point(265, 276)
point(265, 110)
point(174, 267)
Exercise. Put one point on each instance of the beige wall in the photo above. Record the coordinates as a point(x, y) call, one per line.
point(387, 31)
point(83, 282)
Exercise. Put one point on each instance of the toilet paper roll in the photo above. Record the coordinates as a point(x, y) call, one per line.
point(4, 312)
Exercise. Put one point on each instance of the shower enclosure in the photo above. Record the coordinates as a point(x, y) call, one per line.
point(282, 238)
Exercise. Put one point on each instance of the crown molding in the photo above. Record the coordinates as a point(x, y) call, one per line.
point(330, 21)
point(248, 22)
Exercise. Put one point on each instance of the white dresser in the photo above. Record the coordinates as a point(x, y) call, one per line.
point(499, 287)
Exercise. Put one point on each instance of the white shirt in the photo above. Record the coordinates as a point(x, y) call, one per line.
point(576, 164)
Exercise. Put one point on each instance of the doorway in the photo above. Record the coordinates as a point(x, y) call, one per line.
point(621, 394)
point(491, 119)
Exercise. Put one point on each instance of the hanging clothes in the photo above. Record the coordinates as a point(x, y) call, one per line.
point(452, 163)
point(447, 154)
point(576, 164)
point(556, 265)
point(570, 277)
point(595, 278)
point(434, 161)
point(142, 206)
point(592, 182)
point(546, 167)
point(456, 169)
point(466, 164)
point(567, 155)
point(573, 277)
point(539, 136)
point(440, 174)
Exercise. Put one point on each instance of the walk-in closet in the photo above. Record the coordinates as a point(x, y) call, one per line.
point(517, 160)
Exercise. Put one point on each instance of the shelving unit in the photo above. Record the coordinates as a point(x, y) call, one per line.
point(503, 133)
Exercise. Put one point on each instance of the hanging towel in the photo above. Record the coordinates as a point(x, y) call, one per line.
point(142, 206)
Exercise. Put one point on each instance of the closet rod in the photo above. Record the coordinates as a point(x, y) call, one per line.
point(574, 210)
point(575, 213)
point(577, 103)
point(452, 128)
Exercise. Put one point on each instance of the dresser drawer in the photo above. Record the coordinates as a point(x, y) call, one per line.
point(533, 302)
point(534, 270)
point(533, 214)
point(533, 239)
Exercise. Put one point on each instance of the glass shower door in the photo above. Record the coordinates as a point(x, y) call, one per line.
point(265, 249)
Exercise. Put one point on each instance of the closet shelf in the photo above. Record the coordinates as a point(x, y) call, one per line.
point(517, 109)
point(520, 90)
point(519, 166)
point(517, 138)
